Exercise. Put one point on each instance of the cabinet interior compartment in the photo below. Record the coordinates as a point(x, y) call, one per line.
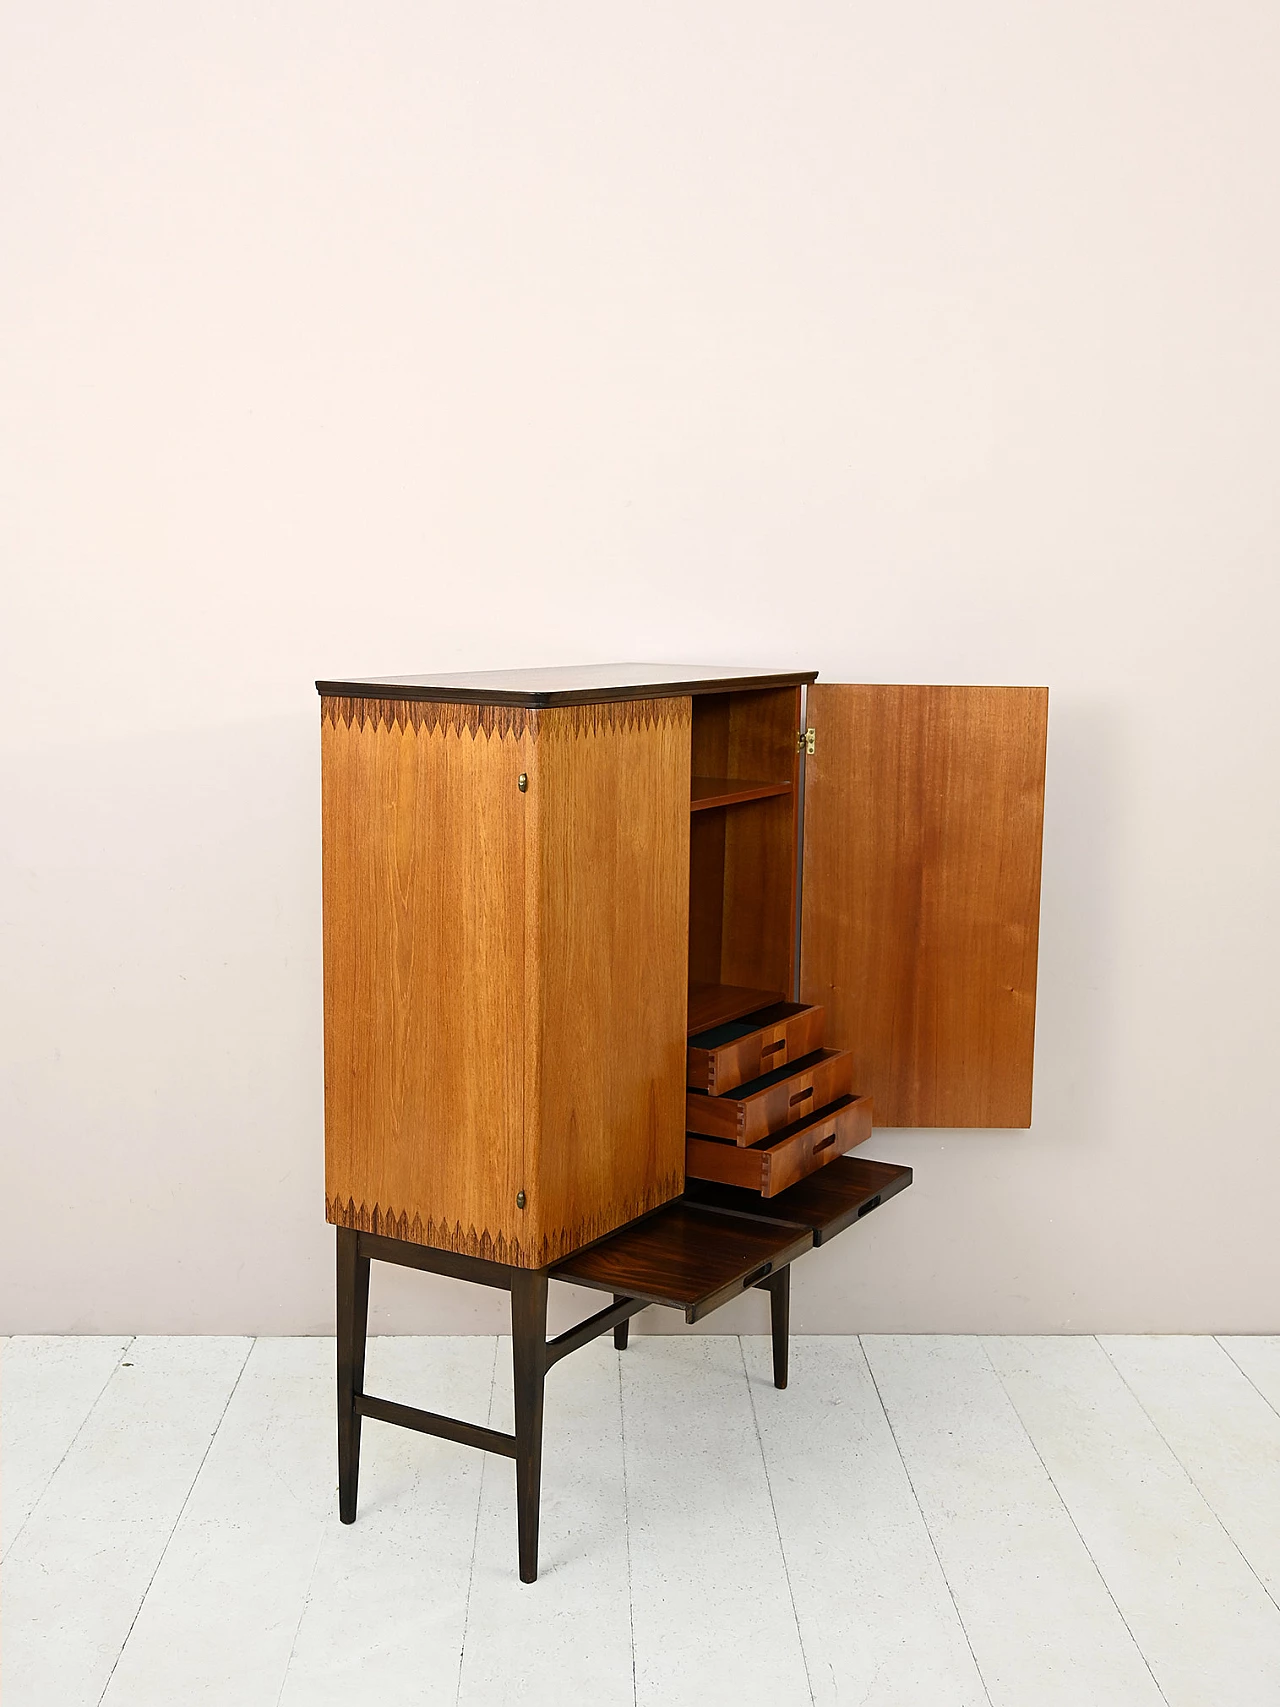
point(742, 851)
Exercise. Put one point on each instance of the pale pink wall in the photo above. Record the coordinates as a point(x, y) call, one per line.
point(913, 342)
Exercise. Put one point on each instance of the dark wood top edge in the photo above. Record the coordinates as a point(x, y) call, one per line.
point(547, 700)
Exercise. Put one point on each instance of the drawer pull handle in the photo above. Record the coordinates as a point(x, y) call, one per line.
point(772, 1048)
point(801, 1096)
point(757, 1274)
point(826, 1143)
point(869, 1205)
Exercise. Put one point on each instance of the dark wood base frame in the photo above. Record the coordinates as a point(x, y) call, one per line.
point(532, 1354)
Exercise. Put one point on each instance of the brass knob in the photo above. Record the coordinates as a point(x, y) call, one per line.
point(522, 782)
point(520, 1200)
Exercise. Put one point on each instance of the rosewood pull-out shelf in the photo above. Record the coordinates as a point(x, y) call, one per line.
point(688, 1256)
point(827, 1202)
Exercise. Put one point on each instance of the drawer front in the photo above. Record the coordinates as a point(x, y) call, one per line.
point(785, 1158)
point(732, 1054)
point(779, 1099)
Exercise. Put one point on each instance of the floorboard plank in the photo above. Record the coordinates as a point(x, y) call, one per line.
point(242, 1554)
point(48, 1385)
point(1026, 1514)
point(76, 1576)
point(876, 1618)
point(1204, 1622)
point(384, 1615)
point(1220, 1428)
point(1042, 1625)
point(711, 1602)
point(1258, 1356)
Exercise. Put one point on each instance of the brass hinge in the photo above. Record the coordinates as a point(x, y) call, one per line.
point(805, 739)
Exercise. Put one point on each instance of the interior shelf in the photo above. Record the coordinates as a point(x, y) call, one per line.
point(714, 1004)
point(729, 791)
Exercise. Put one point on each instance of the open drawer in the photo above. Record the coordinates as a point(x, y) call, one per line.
point(688, 1256)
point(772, 1165)
point(729, 1055)
point(775, 1100)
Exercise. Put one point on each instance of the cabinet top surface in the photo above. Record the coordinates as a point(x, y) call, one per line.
point(569, 684)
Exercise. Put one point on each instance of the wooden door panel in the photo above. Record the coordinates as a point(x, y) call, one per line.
point(921, 894)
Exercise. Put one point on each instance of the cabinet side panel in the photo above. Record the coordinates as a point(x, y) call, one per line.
point(921, 896)
point(424, 987)
point(613, 824)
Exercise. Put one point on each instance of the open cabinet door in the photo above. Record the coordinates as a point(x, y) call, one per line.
point(921, 894)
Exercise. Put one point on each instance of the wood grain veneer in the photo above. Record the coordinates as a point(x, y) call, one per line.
point(504, 969)
point(921, 895)
point(612, 923)
point(706, 898)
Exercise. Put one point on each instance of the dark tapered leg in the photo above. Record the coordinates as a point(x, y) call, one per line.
point(529, 1361)
point(780, 1321)
point(353, 1326)
point(622, 1329)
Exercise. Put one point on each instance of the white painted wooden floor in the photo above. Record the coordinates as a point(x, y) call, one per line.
point(919, 1521)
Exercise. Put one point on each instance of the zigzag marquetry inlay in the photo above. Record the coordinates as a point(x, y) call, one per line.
point(428, 714)
point(563, 1242)
point(393, 1225)
point(603, 716)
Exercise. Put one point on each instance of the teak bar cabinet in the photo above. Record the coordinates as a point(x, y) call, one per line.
point(617, 963)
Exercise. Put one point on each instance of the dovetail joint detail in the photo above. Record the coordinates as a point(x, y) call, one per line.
point(561, 1242)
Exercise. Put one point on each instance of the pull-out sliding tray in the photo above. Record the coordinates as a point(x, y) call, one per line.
point(827, 1202)
point(690, 1256)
